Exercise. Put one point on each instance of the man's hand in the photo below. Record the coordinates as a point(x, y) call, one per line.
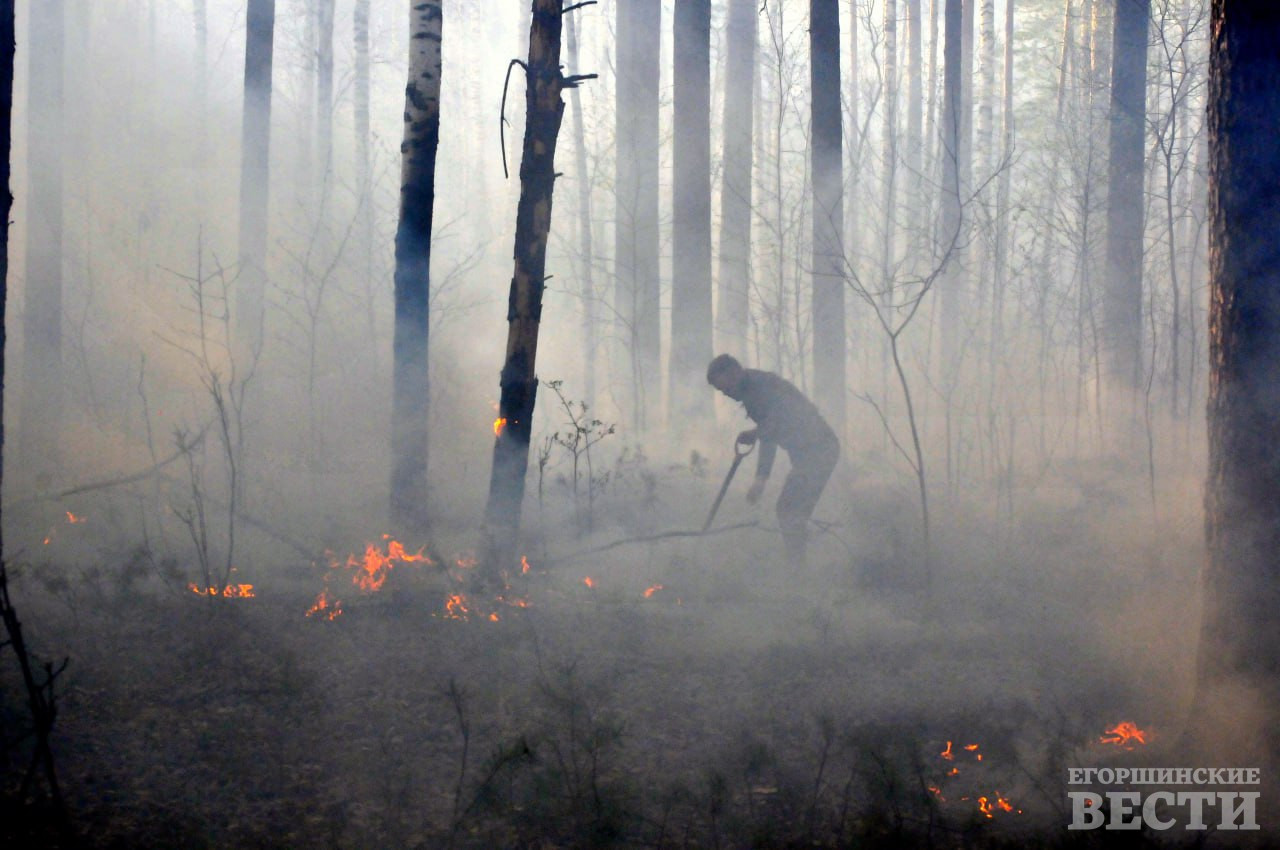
point(748, 438)
point(757, 487)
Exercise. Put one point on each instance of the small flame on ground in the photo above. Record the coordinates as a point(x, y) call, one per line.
point(524, 565)
point(589, 582)
point(73, 519)
point(648, 593)
point(455, 607)
point(947, 754)
point(1123, 735)
point(498, 425)
point(231, 591)
point(326, 607)
point(937, 792)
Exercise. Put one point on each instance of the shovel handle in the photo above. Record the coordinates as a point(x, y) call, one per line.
point(740, 451)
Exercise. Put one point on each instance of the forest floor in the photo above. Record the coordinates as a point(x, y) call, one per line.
point(693, 693)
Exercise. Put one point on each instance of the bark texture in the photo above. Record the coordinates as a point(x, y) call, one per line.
point(544, 109)
point(1240, 645)
point(411, 382)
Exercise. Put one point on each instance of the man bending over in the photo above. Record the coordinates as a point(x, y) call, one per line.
point(783, 417)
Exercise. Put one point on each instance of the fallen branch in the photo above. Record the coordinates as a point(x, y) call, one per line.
point(650, 538)
point(107, 483)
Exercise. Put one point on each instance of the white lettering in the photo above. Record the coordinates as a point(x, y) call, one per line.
point(1086, 810)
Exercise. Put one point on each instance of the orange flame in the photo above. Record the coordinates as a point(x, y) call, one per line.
point(524, 565)
point(73, 519)
point(372, 569)
point(947, 754)
point(971, 747)
point(648, 594)
point(589, 582)
point(984, 806)
point(326, 607)
point(937, 792)
point(455, 607)
point(1123, 734)
point(498, 425)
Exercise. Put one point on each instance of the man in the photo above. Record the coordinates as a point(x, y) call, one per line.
point(783, 417)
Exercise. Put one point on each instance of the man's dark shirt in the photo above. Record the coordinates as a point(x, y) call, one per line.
point(783, 416)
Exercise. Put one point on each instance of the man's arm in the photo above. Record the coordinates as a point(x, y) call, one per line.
point(764, 466)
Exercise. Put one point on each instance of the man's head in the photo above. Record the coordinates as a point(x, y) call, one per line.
point(725, 374)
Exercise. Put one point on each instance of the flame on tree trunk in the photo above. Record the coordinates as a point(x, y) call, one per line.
point(544, 109)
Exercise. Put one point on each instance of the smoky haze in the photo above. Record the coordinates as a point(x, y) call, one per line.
point(630, 684)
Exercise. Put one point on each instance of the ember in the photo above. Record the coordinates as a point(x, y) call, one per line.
point(326, 607)
point(498, 425)
point(1125, 734)
point(652, 590)
point(231, 591)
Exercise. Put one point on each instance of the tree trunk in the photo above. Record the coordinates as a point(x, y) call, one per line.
point(411, 400)
point(1239, 686)
point(915, 108)
point(255, 171)
point(951, 281)
point(364, 162)
point(42, 373)
point(735, 191)
point(828, 212)
point(585, 248)
point(689, 400)
point(7, 45)
point(636, 214)
point(324, 88)
point(1004, 185)
point(544, 109)
point(1122, 306)
point(889, 149)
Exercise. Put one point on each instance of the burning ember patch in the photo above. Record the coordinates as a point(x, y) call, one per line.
point(649, 591)
point(498, 425)
point(589, 582)
point(325, 607)
point(73, 519)
point(988, 804)
point(231, 591)
point(1125, 734)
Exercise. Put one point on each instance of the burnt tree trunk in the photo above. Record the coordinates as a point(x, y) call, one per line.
point(255, 171)
point(544, 110)
point(1122, 304)
point(688, 398)
point(7, 44)
point(411, 387)
point(42, 373)
point(1239, 676)
point(732, 308)
point(828, 212)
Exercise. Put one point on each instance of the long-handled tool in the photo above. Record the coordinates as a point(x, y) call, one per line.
point(740, 451)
